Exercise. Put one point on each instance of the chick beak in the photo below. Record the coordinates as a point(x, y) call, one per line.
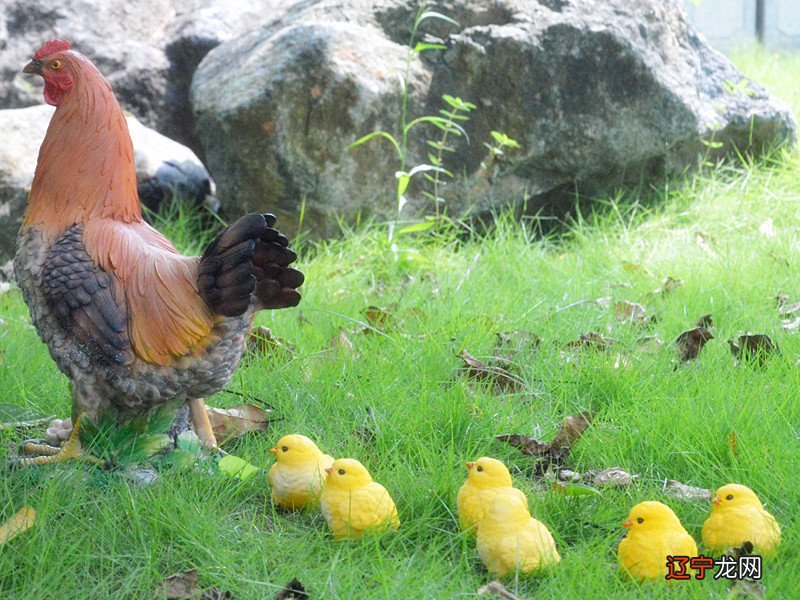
point(627, 524)
point(273, 451)
point(329, 470)
point(35, 67)
point(470, 465)
point(716, 500)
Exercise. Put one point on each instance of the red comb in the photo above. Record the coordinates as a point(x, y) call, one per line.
point(51, 47)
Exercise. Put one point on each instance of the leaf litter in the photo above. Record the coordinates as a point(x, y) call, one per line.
point(228, 423)
point(498, 373)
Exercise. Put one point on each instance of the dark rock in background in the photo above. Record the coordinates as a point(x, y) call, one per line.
point(599, 94)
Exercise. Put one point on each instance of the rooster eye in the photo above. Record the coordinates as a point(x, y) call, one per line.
point(640, 520)
point(480, 468)
point(56, 64)
point(729, 497)
point(341, 471)
point(285, 448)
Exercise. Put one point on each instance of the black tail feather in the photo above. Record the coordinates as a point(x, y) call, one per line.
point(248, 264)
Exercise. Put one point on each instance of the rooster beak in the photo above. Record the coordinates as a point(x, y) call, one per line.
point(35, 67)
point(716, 500)
point(627, 524)
point(329, 470)
point(273, 451)
point(470, 465)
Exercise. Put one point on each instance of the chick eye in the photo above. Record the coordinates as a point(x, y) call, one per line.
point(729, 497)
point(480, 469)
point(56, 64)
point(640, 520)
point(285, 448)
point(341, 471)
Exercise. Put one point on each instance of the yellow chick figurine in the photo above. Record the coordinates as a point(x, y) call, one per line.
point(510, 540)
point(352, 503)
point(737, 517)
point(298, 473)
point(654, 532)
point(486, 477)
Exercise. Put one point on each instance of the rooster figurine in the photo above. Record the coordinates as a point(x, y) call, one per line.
point(136, 326)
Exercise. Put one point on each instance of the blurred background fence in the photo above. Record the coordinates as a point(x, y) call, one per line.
point(729, 24)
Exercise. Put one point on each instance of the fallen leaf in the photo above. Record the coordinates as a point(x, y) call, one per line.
point(621, 361)
point(702, 239)
point(748, 346)
point(179, 586)
point(681, 491)
point(612, 477)
point(630, 312)
point(341, 341)
point(553, 453)
point(593, 341)
point(379, 318)
point(262, 341)
point(781, 299)
point(510, 343)
point(24, 519)
point(706, 321)
point(668, 285)
point(293, 590)
point(233, 466)
point(572, 428)
point(501, 379)
point(604, 302)
point(788, 310)
point(691, 342)
point(787, 324)
point(232, 422)
point(497, 589)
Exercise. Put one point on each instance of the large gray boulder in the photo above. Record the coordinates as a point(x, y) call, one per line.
point(598, 93)
point(147, 49)
point(163, 167)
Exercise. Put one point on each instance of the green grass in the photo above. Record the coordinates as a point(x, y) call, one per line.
point(100, 535)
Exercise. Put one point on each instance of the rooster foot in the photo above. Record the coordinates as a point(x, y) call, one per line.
point(46, 454)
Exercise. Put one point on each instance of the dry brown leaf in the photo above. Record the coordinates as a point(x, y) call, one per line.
point(593, 341)
point(238, 420)
point(611, 477)
point(379, 318)
point(788, 310)
point(179, 586)
point(263, 342)
point(691, 342)
point(341, 341)
point(681, 491)
point(509, 343)
point(757, 346)
point(24, 519)
point(604, 302)
point(781, 299)
point(706, 321)
point(630, 312)
point(552, 453)
point(293, 590)
point(702, 239)
point(501, 378)
point(668, 285)
point(497, 589)
point(790, 324)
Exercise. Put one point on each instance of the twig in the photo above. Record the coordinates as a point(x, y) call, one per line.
point(497, 588)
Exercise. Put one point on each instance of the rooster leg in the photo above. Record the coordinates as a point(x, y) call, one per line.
point(49, 454)
point(198, 415)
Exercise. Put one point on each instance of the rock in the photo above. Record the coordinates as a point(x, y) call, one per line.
point(599, 95)
point(161, 165)
point(147, 49)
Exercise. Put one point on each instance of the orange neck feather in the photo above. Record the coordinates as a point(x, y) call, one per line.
point(86, 168)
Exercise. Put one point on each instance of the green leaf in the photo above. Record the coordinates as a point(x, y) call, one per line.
point(430, 14)
point(417, 227)
point(425, 169)
point(424, 47)
point(374, 134)
point(233, 466)
point(403, 180)
point(457, 103)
